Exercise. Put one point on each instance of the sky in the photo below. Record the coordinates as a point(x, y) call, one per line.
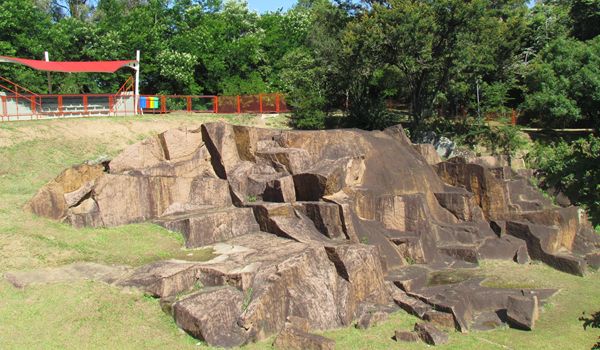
point(270, 5)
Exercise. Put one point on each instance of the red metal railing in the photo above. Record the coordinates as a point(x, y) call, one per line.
point(262, 103)
point(17, 106)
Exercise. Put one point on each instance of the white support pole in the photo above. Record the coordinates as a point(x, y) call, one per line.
point(137, 82)
point(49, 81)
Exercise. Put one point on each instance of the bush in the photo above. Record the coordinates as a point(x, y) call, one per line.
point(572, 168)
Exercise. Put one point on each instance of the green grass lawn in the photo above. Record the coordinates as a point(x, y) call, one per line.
point(95, 315)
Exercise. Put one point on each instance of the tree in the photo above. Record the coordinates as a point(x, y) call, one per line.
point(563, 85)
point(23, 33)
point(586, 18)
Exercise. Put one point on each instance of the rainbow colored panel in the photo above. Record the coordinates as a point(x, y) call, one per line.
point(149, 102)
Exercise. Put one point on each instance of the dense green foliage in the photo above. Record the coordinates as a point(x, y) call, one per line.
point(340, 62)
point(188, 46)
point(450, 59)
point(573, 169)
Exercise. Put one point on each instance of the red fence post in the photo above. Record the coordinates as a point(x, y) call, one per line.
point(163, 104)
point(260, 105)
point(32, 105)
point(514, 117)
point(85, 104)
point(277, 108)
point(111, 104)
point(239, 104)
point(216, 104)
point(189, 104)
point(60, 106)
point(4, 108)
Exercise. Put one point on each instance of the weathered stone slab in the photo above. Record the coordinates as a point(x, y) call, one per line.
point(206, 227)
point(211, 315)
point(522, 312)
point(163, 278)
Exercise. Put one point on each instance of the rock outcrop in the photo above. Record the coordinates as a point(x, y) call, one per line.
point(319, 226)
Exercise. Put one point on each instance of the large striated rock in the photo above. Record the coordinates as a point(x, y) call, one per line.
point(319, 226)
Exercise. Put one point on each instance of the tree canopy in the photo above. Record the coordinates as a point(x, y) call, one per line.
point(340, 62)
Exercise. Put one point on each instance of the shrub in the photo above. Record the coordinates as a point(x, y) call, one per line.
point(571, 168)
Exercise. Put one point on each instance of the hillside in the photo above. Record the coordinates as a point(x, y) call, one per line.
point(96, 315)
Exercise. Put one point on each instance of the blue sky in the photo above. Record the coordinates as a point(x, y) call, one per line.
point(273, 5)
point(270, 5)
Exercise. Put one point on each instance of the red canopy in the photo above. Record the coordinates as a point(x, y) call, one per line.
point(70, 67)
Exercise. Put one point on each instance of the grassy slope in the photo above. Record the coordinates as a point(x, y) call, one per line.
point(95, 315)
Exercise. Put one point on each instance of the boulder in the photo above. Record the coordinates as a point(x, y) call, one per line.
point(406, 336)
point(409, 304)
point(195, 314)
point(75, 197)
point(428, 152)
point(287, 160)
point(522, 312)
point(280, 190)
point(461, 204)
point(295, 339)
point(85, 214)
point(205, 227)
point(325, 216)
point(175, 152)
point(50, 200)
point(220, 143)
point(442, 319)
point(539, 239)
point(488, 191)
point(430, 334)
point(370, 319)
